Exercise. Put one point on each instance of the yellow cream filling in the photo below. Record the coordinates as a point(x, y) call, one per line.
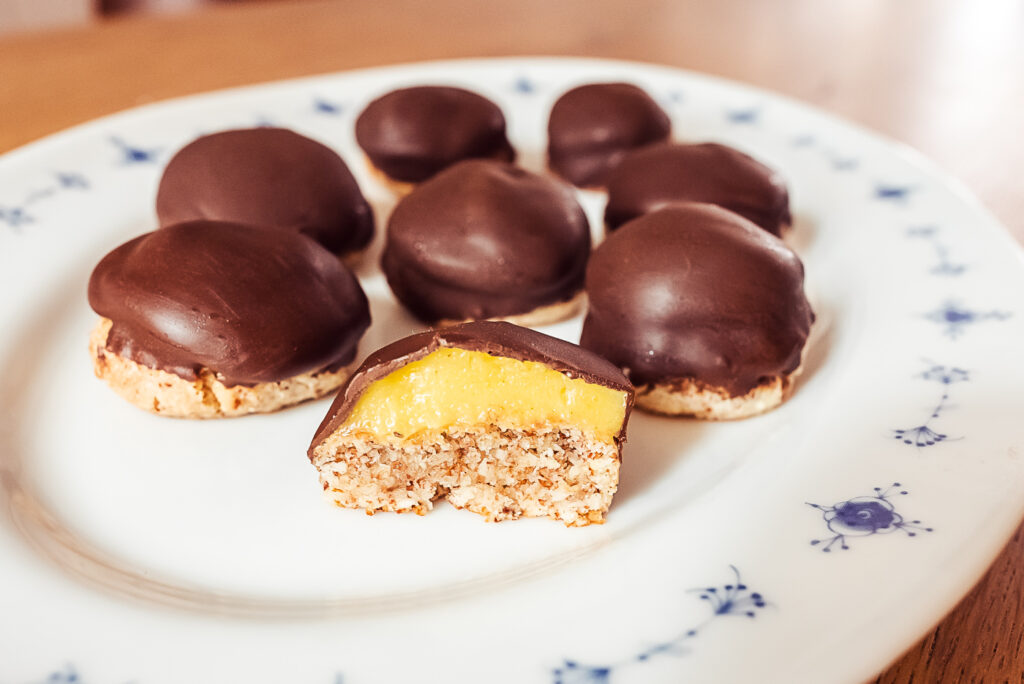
point(460, 388)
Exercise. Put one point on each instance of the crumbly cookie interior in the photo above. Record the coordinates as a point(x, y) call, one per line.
point(498, 471)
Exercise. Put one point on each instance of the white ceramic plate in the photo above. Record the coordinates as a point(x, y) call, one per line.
point(811, 544)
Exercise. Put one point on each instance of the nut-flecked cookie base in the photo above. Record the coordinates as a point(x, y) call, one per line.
point(167, 394)
point(498, 472)
point(687, 397)
point(542, 315)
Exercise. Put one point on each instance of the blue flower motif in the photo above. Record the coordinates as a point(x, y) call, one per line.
point(71, 180)
point(131, 154)
point(747, 116)
point(894, 193)
point(955, 318)
point(923, 435)
point(66, 676)
point(15, 217)
point(573, 673)
point(322, 106)
point(524, 86)
point(734, 598)
point(944, 266)
point(946, 375)
point(863, 516)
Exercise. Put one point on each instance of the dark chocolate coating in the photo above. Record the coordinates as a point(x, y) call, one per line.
point(251, 304)
point(412, 133)
point(267, 177)
point(593, 126)
point(485, 239)
point(664, 173)
point(695, 291)
point(494, 338)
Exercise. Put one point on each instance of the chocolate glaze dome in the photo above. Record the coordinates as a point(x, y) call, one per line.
point(593, 126)
point(660, 174)
point(267, 177)
point(410, 134)
point(695, 291)
point(252, 304)
point(485, 239)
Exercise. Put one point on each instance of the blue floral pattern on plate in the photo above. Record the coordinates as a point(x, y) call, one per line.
point(943, 266)
point(134, 154)
point(864, 516)
point(892, 193)
point(18, 215)
point(923, 435)
point(857, 517)
point(732, 599)
point(955, 318)
point(747, 116)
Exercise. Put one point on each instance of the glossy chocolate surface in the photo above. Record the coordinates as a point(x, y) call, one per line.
point(250, 304)
point(485, 239)
point(495, 338)
point(267, 177)
point(593, 126)
point(664, 173)
point(412, 133)
point(695, 291)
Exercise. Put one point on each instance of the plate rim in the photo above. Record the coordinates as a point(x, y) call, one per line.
point(996, 229)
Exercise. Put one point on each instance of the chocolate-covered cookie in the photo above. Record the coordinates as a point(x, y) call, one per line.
point(498, 419)
point(593, 126)
point(267, 177)
point(704, 311)
point(661, 174)
point(486, 239)
point(207, 318)
point(411, 134)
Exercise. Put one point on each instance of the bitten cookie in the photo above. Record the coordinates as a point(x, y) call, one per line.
point(500, 420)
point(267, 177)
point(664, 173)
point(488, 240)
point(593, 126)
point(411, 134)
point(704, 312)
point(208, 319)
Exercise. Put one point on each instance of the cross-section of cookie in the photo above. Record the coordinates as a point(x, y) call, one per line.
point(501, 420)
point(208, 319)
point(704, 312)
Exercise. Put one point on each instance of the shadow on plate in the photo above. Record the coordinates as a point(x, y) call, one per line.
point(383, 203)
point(655, 444)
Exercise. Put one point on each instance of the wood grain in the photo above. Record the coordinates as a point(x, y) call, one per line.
point(945, 76)
point(982, 640)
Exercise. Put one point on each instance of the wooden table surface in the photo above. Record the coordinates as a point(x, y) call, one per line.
point(944, 76)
